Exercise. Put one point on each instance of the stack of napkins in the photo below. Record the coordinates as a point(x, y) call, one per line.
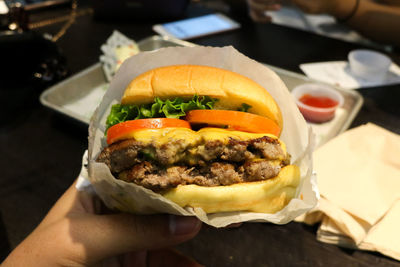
point(359, 181)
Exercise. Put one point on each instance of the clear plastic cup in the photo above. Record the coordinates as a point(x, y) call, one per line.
point(369, 64)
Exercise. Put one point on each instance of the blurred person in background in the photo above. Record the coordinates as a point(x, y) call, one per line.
point(378, 20)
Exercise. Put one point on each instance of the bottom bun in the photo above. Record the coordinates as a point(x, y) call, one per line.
point(268, 196)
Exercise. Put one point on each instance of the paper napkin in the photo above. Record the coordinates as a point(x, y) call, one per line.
point(359, 181)
point(338, 73)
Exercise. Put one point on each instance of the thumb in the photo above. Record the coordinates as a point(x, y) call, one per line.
point(103, 236)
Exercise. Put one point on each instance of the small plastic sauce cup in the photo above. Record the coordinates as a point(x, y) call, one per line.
point(368, 64)
point(317, 102)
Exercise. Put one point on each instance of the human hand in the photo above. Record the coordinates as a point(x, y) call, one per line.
point(72, 234)
point(316, 6)
point(257, 9)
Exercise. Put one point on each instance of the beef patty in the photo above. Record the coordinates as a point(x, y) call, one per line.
point(209, 163)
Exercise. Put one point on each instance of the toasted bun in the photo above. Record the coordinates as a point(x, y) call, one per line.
point(184, 81)
point(268, 196)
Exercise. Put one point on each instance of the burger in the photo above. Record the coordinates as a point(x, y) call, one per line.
point(202, 137)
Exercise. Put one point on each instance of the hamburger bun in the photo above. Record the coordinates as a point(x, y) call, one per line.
point(268, 196)
point(230, 88)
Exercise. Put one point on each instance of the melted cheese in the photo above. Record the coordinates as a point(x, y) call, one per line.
point(165, 135)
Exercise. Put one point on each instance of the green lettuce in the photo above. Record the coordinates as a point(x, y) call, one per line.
point(175, 108)
point(244, 108)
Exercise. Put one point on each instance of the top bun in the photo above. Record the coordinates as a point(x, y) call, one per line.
point(232, 89)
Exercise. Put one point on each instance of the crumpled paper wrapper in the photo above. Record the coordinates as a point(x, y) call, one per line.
point(116, 49)
point(129, 197)
point(359, 180)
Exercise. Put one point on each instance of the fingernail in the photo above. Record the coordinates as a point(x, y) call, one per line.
point(182, 225)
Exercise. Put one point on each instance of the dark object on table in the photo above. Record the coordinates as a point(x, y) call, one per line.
point(28, 59)
point(29, 64)
point(139, 9)
point(17, 14)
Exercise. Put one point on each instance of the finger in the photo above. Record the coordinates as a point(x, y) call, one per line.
point(259, 17)
point(262, 6)
point(107, 235)
point(63, 205)
point(234, 225)
point(72, 201)
point(257, 11)
point(306, 6)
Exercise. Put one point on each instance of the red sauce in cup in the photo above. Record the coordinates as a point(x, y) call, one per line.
point(318, 101)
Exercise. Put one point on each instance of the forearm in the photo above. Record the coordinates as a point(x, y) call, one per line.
point(376, 21)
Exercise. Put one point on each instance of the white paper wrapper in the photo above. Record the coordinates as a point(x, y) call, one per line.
point(296, 134)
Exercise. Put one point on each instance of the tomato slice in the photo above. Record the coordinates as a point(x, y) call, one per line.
point(236, 120)
point(121, 130)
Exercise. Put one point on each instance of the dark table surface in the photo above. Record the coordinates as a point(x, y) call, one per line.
point(41, 151)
